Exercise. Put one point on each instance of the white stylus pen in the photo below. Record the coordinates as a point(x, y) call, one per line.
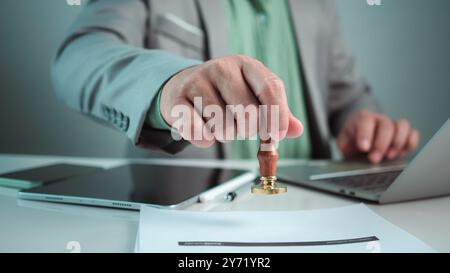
point(224, 189)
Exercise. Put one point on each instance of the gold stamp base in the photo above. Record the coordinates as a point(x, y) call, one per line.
point(268, 186)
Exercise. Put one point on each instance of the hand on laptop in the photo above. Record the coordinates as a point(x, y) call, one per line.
point(378, 136)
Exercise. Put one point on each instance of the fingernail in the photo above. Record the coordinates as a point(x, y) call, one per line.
point(376, 157)
point(392, 154)
point(365, 144)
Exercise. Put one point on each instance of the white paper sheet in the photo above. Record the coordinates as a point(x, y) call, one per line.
point(346, 229)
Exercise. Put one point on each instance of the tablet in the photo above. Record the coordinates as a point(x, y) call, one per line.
point(132, 185)
point(34, 177)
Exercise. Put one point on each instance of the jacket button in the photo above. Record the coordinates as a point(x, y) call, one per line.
point(106, 112)
point(125, 124)
point(116, 121)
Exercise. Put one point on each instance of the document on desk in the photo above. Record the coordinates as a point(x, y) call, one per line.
point(348, 229)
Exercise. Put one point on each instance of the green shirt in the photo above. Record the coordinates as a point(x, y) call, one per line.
point(263, 29)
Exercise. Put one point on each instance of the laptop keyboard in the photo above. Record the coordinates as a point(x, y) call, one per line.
point(375, 182)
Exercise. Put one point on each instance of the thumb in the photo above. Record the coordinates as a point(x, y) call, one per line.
point(295, 128)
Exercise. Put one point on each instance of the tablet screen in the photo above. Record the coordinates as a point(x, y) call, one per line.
point(142, 183)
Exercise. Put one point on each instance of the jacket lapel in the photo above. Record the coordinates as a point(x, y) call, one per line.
point(304, 17)
point(213, 12)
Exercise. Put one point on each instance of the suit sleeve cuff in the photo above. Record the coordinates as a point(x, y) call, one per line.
point(154, 117)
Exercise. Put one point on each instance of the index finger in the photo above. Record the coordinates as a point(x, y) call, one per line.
point(269, 90)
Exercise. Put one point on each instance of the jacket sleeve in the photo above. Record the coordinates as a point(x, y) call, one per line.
point(349, 92)
point(103, 71)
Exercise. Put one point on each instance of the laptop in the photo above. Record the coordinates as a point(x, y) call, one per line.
point(428, 175)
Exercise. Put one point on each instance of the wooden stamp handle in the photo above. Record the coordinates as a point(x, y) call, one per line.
point(267, 157)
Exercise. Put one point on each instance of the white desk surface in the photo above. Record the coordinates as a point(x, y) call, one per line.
point(31, 226)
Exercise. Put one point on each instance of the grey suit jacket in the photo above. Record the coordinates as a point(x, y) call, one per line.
point(119, 53)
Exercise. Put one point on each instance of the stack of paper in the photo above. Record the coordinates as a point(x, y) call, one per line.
point(349, 229)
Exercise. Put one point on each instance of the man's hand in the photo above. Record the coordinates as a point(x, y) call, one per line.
point(234, 80)
point(377, 136)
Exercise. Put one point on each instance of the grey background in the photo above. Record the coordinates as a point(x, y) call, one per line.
point(402, 47)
